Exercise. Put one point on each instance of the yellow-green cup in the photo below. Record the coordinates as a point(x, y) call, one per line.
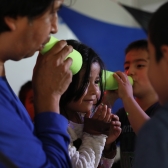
point(110, 82)
point(75, 55)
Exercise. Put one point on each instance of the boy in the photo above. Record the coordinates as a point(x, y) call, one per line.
point(151, 149)
point(140, 101)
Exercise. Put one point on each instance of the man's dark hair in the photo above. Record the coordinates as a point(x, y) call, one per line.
point(24, 90)
point(158, 29)
point(136, 45)
point(14, 8)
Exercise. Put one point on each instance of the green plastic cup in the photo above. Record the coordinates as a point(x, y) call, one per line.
point(110, 81)
point(75, 55)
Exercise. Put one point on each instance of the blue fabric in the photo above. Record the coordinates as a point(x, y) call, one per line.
point(45, 145)
point(152, 142)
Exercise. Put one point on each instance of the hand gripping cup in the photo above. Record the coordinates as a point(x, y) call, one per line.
point(75, 55)
point(110, 81)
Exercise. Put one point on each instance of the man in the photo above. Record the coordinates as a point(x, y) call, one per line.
point(25, 27)
point(151, 149)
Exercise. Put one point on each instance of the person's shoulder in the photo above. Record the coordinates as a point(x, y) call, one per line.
point(157, 125)
point(152, 137)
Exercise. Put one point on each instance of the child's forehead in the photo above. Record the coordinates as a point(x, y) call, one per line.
point(137, 55)
point(95, 68)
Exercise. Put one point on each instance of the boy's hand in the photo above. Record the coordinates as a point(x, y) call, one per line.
point(124, 87)
point(51, 77)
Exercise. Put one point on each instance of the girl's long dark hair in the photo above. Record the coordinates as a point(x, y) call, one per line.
point(74, 91)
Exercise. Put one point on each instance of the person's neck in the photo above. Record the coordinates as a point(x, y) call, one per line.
point(5, 49)
point(146, 101)
point(2, 69)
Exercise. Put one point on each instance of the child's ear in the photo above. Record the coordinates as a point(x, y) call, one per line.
point(164, 50)
point(10, 23)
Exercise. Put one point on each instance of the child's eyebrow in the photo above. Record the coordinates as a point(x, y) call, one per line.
point(136, 60)
point(127, 62)
point(97, 77)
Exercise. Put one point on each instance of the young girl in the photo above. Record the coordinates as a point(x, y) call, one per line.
point(92, 139)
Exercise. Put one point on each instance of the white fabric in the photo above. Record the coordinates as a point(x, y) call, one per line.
point(90, 152)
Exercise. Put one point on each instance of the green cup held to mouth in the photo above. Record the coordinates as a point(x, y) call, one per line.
point(75, 55)
point(110, 82)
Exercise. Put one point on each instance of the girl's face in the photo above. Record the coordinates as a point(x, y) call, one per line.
point(91, 94)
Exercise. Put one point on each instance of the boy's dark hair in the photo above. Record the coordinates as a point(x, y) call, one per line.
point(136, 45)
point(14, 8)
point(24, 90)
point(158, 29)
point(74, 91)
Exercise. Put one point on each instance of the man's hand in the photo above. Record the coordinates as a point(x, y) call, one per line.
point(51, 77)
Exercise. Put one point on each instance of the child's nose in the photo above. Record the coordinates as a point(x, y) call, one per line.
point(94, 89)
point(130, 72)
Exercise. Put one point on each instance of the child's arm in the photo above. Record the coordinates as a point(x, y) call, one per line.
point(136, 115)
point(113, 121)
point(109, 151)
point(110, 148)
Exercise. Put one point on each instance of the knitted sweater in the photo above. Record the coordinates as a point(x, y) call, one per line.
point(89, 154)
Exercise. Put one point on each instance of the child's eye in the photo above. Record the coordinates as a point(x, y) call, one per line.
point(126, 68)
point(140, 65)
point(97, 81)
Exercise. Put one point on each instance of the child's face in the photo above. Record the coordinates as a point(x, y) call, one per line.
point(158, 74)
point(136, 65)
point(29, 104)
point(89, 98)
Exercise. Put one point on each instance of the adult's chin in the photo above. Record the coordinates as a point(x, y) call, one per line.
point(29, 55)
